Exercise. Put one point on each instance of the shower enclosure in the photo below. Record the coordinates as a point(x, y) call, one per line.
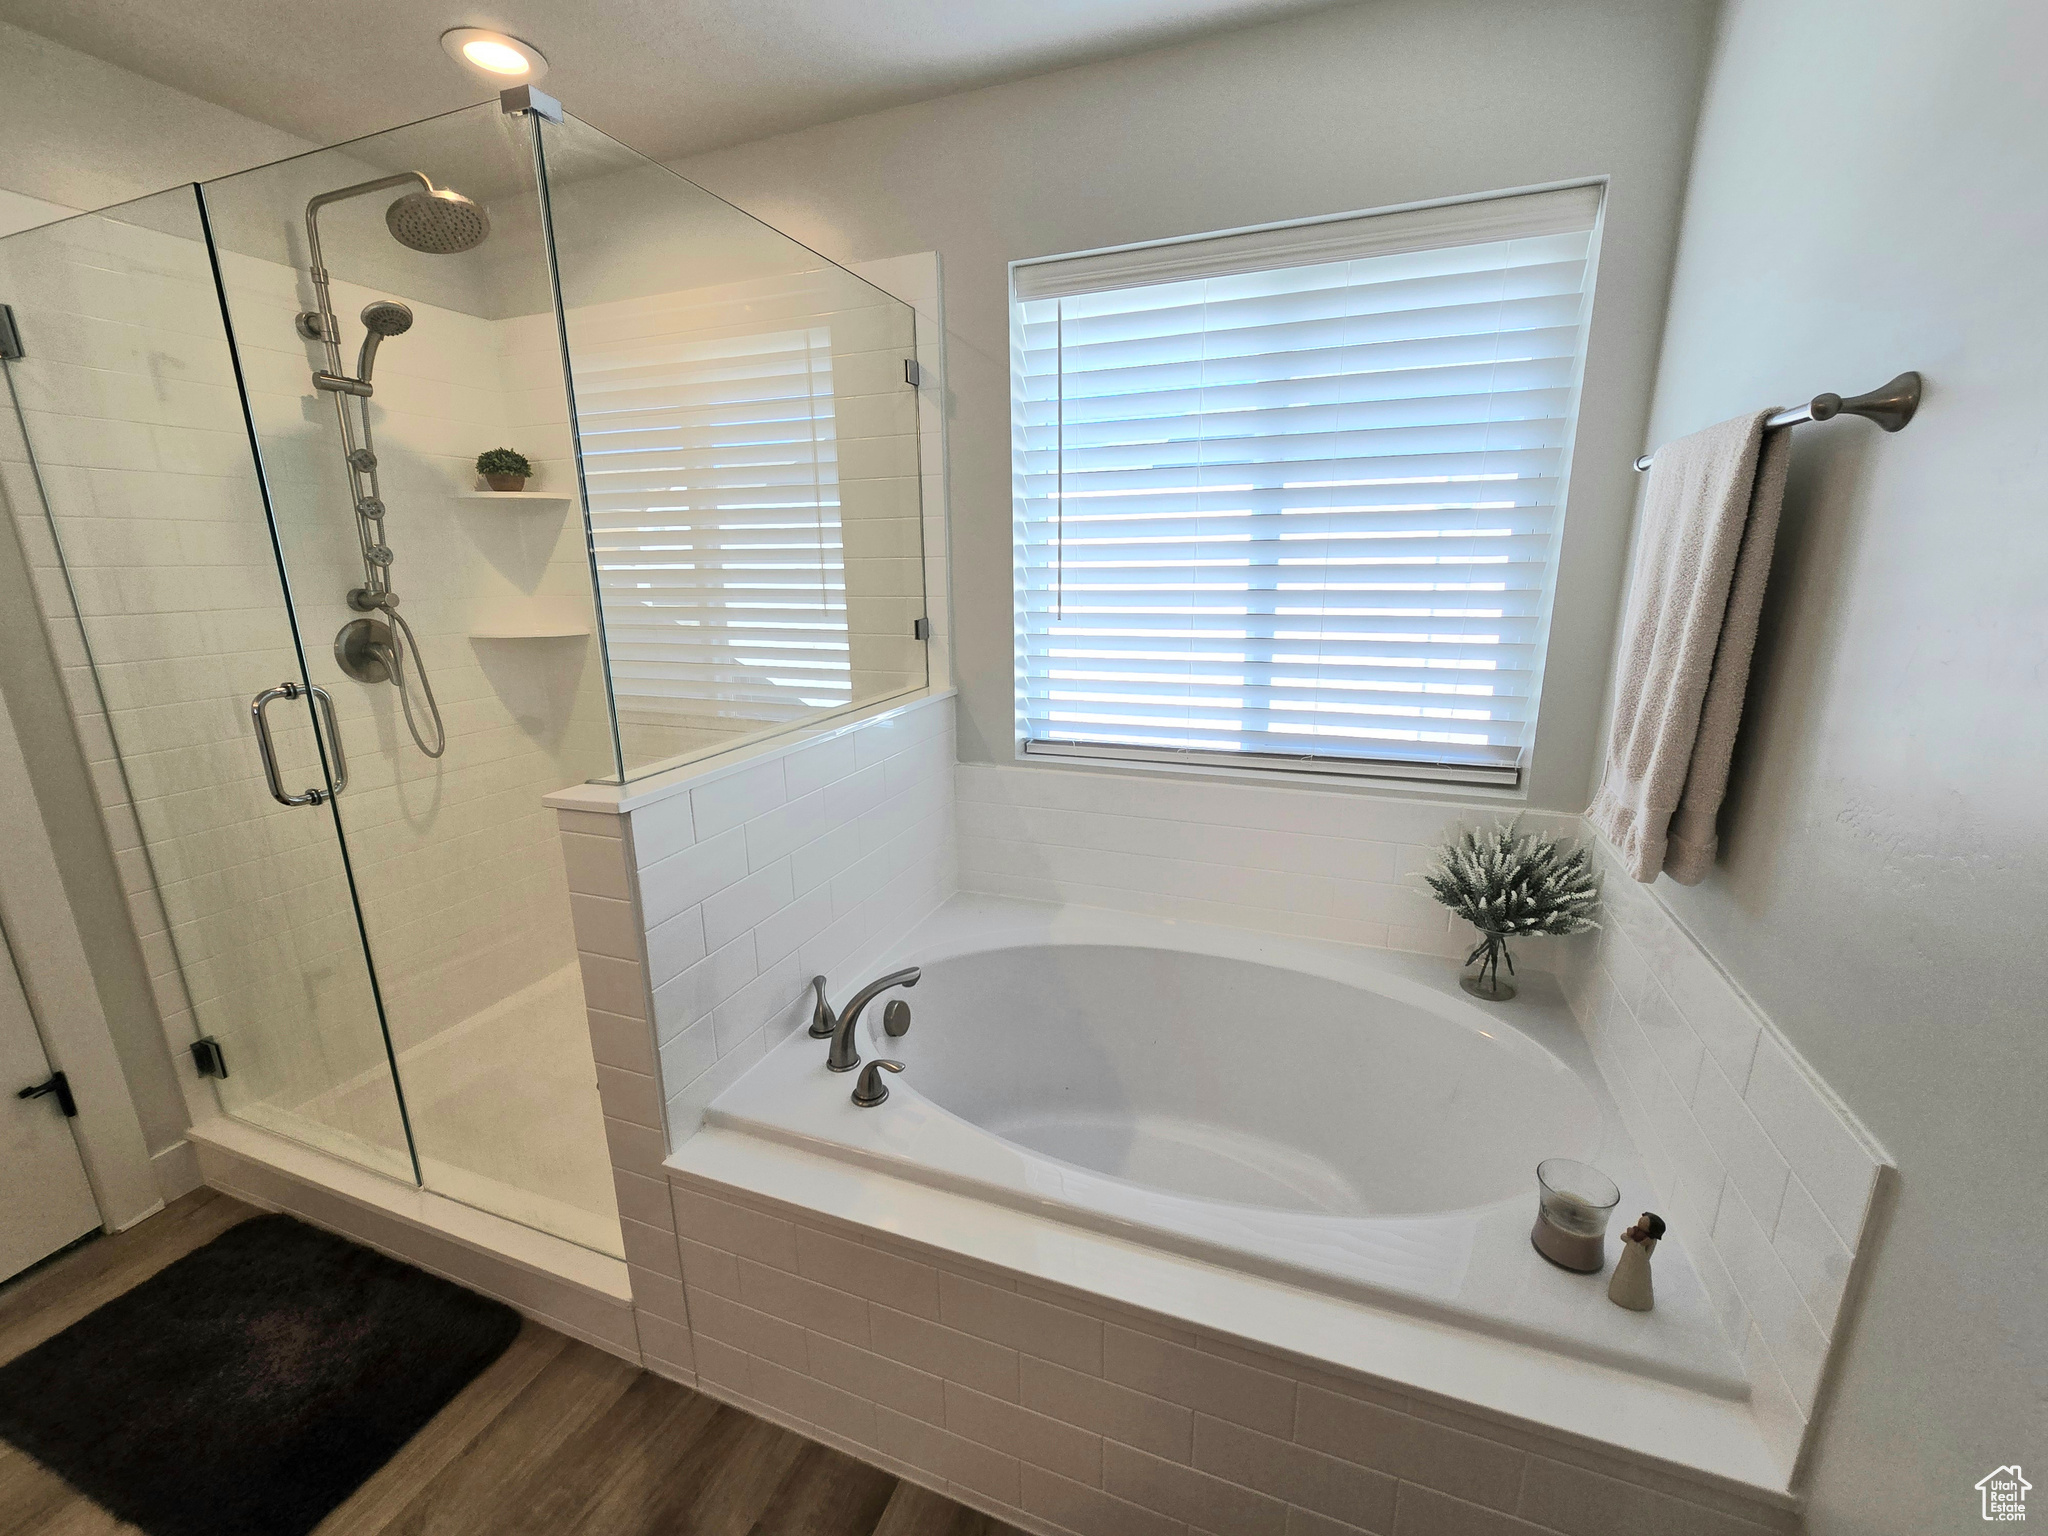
point(325, 677)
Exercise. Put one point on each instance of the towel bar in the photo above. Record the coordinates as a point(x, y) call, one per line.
point(1891, 406)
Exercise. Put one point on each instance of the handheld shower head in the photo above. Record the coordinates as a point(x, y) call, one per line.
point(441, 223)
point(381, 318)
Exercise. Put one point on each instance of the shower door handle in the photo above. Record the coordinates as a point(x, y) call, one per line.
point(339, 758)
point(268, 752)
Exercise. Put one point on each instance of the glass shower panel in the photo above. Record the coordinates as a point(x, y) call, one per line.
point(127, 467)
point(749, 451)
point(453, 625)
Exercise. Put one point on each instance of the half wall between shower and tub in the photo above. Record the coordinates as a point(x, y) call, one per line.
point(324, 678)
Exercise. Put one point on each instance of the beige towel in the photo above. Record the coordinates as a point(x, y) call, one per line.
point(1710, 517)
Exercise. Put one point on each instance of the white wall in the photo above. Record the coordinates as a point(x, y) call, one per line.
point(1354, 108)
point(1884, 878)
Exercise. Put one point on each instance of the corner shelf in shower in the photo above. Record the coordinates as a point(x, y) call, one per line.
point(518, 498)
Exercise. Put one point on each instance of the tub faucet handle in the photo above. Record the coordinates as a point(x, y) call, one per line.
point(822, 1021)
point(870, 1090)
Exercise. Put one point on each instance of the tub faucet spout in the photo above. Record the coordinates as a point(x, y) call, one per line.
point(845, 1056)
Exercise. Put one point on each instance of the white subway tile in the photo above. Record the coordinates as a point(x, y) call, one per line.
point(782, 932)
point(718, 1317)
point(1207, 1383)
point(1022, 1322)
point(738, 907)
point(651, 1248)
point(1089, 1511)
point(889, 1384)
point(674, 946)
point(946, 1352)
point(813, 767)
point(1401, 1445)
point(1677, 1047)
point(686, 878)
point(661, 829)
point(694, 994)
point(737, 1229)
point(1030, 1437)
point(1209, 1503)
point(1577, 1502)
point(737, 797)
point(1775, 1304)
point(605, 926)
point(779, 832)
point(596, 865)
point(1340, 1489)
point(1813, 1255)
point(615, 986)
point(621, 1042)
point(903, 1284)
point(1740, 1143)
point(1119, 1413)
point(820, 1308)
point(630, 1096)
point(690, 1052)
point(1828, 1157)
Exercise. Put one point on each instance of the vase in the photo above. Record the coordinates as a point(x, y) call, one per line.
point(1482, 968)
point(505, 482)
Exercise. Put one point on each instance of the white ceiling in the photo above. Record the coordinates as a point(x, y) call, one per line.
point(669, 77)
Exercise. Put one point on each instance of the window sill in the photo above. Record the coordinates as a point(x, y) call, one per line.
point(1508, 785)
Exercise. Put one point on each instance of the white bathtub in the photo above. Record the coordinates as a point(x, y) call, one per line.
point(1337, 1118)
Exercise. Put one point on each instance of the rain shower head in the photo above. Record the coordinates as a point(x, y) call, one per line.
point(381, 318)
point(441, 222)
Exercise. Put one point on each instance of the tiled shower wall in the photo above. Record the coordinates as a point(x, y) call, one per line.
point(1767, 1180)
point(131, 401)
point(464, 894)
point(701, 916)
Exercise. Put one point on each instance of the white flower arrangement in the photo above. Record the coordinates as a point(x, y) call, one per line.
point(1511, 884)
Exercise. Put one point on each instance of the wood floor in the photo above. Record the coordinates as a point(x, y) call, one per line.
point(555, 1438)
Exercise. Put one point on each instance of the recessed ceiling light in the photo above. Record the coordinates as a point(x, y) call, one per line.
point(495, 54)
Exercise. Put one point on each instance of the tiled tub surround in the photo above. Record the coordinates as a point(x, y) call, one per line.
point(1316, 1113)
point(1071, 1382)
point(1315, 864)
point(1766, 1179)
point(705, 900)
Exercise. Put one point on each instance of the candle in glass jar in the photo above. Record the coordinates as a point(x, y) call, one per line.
point(1573, 1204)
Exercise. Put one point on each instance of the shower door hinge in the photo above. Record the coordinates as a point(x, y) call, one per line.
point(920, 629)
point(59, 1085)
point(10, 335)
point(516, 99)
point(208, 1057)
point(912, 374)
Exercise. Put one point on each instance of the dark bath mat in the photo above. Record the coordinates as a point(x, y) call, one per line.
point(252, 1386)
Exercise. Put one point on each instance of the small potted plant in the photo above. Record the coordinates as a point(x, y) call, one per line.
point(1511, 884)
point(504, 469)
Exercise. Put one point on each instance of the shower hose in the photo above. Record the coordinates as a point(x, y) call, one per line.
point(399, 647)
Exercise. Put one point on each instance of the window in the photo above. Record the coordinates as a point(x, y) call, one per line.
point(1289, 498)
point(710, 457)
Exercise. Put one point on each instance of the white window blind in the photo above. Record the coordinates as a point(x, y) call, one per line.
point(1289, 498)
point(711, 465)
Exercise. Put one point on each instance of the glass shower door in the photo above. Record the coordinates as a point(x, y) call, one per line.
point(453, 626)
point(126, 465)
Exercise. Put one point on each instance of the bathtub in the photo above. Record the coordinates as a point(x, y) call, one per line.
point(1340, 1119)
